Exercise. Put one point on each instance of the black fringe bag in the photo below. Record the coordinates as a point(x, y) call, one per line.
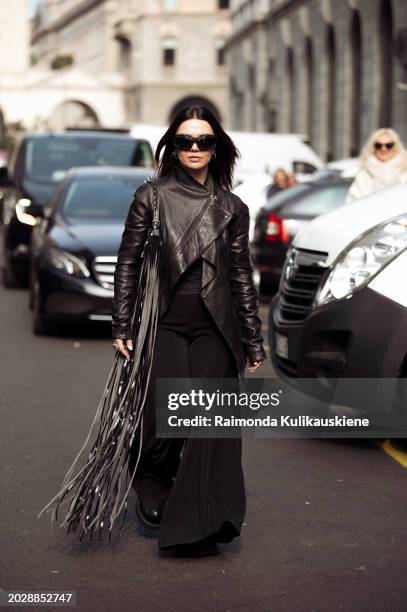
point(99, 490)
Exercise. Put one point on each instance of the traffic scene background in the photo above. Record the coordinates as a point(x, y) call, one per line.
point(314, 95)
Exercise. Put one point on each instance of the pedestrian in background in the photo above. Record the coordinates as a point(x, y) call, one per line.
point(280, 182)
point(292, 181)
point(383, 162)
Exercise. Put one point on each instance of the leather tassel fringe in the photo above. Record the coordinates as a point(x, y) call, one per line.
point(98, 491)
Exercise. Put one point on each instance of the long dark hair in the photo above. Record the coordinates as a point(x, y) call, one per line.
point(221, 167)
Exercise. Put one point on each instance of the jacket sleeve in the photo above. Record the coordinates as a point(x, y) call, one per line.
point(244, 291)
point(361, 185)
point(126, 275)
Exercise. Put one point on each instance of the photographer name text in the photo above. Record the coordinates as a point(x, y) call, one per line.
point(268, 421)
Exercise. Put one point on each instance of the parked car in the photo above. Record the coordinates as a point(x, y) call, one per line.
point(346, 167)
point(74, 247)
point(283, 216)
point(341, 308)
point(38, 165)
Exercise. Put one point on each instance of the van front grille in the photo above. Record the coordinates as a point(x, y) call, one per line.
point(301, 278)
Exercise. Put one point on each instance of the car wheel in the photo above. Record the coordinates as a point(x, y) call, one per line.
point(31, 282)
point(41, 325)
point(9, 277)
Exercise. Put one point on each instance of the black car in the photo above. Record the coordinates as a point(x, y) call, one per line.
point(74, 246)
point(283, 216)
point(38, 165)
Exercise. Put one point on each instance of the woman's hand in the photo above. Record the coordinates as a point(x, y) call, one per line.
point(253, 366)
point(124, 346)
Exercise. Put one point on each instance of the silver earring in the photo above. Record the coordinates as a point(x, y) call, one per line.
point(174, 154)
point(214, 155)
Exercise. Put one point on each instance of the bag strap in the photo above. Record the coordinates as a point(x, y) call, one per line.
point(156, 220)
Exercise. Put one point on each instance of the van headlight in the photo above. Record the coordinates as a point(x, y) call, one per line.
point(363, 259)
point(67, 262)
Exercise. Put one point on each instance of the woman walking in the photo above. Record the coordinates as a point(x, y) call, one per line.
point(383, 162)
point(192, 491)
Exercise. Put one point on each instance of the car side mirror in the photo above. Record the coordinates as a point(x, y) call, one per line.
point(5, 178)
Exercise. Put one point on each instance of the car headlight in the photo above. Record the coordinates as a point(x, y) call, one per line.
point(67, 262)
point(363, 259)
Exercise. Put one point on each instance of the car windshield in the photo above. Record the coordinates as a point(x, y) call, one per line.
point(317, 201)
point(99, 198)
point(49, 159)
point(286, 195)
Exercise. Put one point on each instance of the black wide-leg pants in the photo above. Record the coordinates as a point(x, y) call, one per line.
point(201, 479)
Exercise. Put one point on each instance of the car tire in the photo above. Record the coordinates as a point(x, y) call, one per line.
point(10, 278)
point(41, 325)
point(31, 286)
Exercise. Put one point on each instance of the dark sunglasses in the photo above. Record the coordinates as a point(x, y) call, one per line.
point(380, 145)
point(185, 142)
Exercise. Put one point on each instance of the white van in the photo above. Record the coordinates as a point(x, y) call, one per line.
point(341, 308)
point(261, 153)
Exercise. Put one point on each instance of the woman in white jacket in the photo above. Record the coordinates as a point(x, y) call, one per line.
point(383, 162)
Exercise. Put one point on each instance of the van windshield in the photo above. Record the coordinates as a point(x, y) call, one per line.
point(47, 160)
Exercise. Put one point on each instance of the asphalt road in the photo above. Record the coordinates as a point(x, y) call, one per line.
point(325, 526)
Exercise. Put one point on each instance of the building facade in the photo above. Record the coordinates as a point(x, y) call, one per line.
point(333, 70)
point(14, 38)
point(14, 43)
point(161, 54)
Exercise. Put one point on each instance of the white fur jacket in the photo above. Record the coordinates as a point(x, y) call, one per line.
point(375, 174)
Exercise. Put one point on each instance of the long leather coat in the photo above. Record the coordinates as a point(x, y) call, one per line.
point(194, 224)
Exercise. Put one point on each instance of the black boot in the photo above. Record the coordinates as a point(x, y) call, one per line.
point(149, 512)
point(203, 548)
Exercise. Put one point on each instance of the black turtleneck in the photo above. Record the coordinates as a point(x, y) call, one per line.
point(182, 175)
point(190, 280)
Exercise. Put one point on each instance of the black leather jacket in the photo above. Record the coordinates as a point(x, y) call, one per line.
point(216, 229)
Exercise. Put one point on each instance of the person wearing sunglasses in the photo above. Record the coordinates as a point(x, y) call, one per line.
point(192, 491)
point(383, 162)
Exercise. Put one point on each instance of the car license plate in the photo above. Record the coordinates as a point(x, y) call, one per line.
point(281, 345)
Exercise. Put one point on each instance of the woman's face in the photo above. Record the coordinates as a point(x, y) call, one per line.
point(195, 159)
point(384, 148)
point(280, 178)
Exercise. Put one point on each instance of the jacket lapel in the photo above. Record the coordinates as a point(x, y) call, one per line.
point(192, 230)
